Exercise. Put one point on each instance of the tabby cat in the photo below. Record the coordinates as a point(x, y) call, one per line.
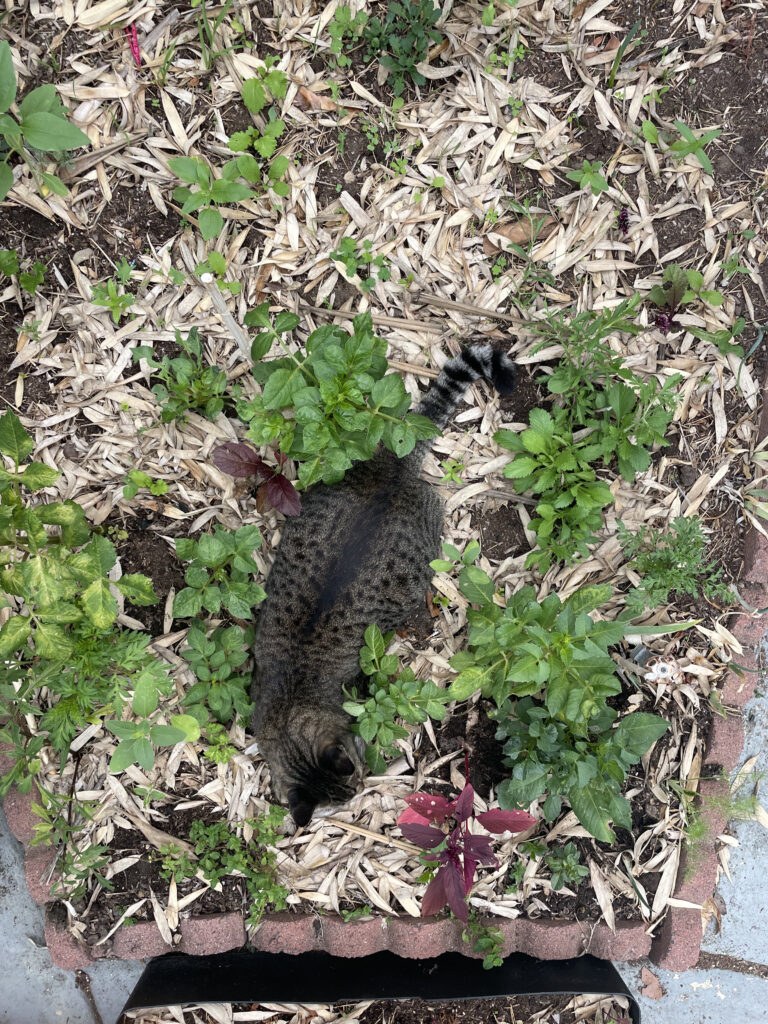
point(358, 553)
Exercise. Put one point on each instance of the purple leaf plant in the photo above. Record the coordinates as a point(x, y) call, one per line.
point(456, 850)
point(276, 490)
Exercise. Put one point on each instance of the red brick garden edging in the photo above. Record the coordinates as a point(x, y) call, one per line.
point(676, 946)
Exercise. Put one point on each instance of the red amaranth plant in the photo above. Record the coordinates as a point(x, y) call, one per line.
point(458, 851)
point(277, 491)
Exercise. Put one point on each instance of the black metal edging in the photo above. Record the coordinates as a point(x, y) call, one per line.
point(318, 977)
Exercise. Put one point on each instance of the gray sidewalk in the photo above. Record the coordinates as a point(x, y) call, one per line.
point(33, 991)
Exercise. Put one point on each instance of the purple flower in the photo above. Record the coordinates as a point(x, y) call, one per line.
point(623, 220)
point(664, 321)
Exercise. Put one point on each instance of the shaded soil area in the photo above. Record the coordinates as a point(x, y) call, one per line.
point(520, 1009)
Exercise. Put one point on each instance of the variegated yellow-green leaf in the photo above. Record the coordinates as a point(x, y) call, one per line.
point(99, 604)
point(52, 642)
point(13, 634)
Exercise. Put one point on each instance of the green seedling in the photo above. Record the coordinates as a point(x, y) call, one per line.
point(589, 177)
point(30, 279)
point(690, 144)
point(108, 294)
point(358, 259)
point(136, 479)
point(400, 40)
point(187, 383)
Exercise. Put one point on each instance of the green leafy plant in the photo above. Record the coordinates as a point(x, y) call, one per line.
point(671, 561)
point(548, 669)
point(345, 26)
point(452, 468)
point(341, 401)
point(356, 913)
point(175, 862)
point(486, 939)
point(589, 176)
point(401, 39)
point(108, 293)
point(136, 479)
point(207, 31)
point(41, 126)
point(221, 852)
point(218, 748)
point(565, 864)
point(30, 279)
point(552, 464)
point(210, 192)
point(391, 695)
point(213, 659)
point(216, 266)
point(220, 573)
point(256, 93)
point(61, 659)
point(679, 287)
point(187, 383)
point(60, 823)
point(690, 144)
point(356, 257)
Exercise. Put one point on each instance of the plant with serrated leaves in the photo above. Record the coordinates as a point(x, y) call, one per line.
point(486, 939)
point(400, 40)
point(78, 859)
point(30, 279)
point(108, 293)
point(187, 383)
point(221, 852)
point(210, 192)
point(589, 176)
point(275, 491)
point(218, 748)
point(213, 658)
point(358, 259)
point(41, 126)
point(548, 669)
point(565, 864)
point(392, 695)
point(345, 29)
point(272, 83)
point(671, 561)
point(550, 463)
point(137, 479)
point(175, 862)
point(441, 827)
point(61, 659)
point(220, 573)
point(331, 404)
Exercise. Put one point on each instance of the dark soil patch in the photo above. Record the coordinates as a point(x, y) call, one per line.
point(470, 729)
point(142, 550)
point(520, 1009)
point(37, 388)
point(500, 532)
point(347, 165)
point(526, 396)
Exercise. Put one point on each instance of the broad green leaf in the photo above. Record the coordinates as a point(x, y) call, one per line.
point(375, 641)
point(145, 695)
point(37, 475)
point(188, 725)
point(44, 97)
point(589, 809)
point(637, 732)
point(280, 386)
point(54, 183)
point(7, 77)
point(137, 588)
point(99, 604)
point(52, 642)
point(51, 133)
point(588, 598)
point(254, 95)
point(43, 588)
point(521, 466)
point(388, 392)
point(211, 222)
point(211, 550)
point(167, 735)
point(13, 634)
point(189, 169)
point(14, 440)
point(467, 682)
point(6, 180)
point(476, 585)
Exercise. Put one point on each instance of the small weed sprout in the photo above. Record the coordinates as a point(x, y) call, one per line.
point(117, 301)
point(186, 383)
point(589, 176)
point(401, 39)
point(358, 259)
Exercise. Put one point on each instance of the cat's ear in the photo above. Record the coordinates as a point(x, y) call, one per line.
point(301, 805)
point(334, 758)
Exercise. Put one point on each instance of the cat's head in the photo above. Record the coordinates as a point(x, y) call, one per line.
point(313, 766)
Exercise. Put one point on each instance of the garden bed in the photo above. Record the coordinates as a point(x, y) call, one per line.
point(438, 224)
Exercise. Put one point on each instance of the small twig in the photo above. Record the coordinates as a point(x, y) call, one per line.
point(378, 836)
point(469, 308)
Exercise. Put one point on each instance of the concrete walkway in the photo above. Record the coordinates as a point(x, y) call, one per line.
point(731, 983)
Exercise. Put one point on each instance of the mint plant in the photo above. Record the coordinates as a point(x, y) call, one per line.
point(41, 126)
point(187, 383)
point(391, 695)
point(356, 258)
point(548, 669)
point(401, 39)
point(486, 939)
point(341, 401)
point(550, 463)
point(440, 826)
point(671, 561)
point(565, 864)
point(213, 659)
point(220, 573)
point(137, 479)
point(30, 279)
point(589, 176)
point(679, 287)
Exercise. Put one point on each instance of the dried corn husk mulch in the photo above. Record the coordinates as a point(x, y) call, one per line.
point(441, 247)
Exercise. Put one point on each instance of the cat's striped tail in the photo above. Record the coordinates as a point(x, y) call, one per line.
point(473, 362)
